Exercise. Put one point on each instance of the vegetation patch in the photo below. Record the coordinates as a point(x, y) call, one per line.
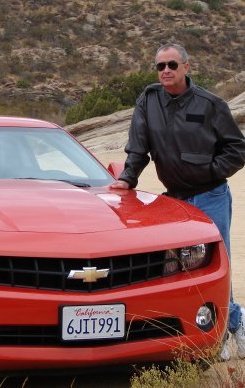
point(176, 4)
point(119, 93)
point(183, 374)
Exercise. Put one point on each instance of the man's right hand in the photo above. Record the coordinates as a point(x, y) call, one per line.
point(120, 185)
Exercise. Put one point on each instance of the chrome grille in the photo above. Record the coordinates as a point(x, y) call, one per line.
point(51, 274)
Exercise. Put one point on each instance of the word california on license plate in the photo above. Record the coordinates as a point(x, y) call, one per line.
point(93, 322)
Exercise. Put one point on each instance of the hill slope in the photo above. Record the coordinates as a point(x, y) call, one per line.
point(53, 51)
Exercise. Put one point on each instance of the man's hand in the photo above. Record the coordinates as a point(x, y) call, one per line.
point(120, 185)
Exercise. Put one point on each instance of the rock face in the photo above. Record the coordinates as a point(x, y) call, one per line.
point(103, 133)
point(109, 133)
point(237, 106)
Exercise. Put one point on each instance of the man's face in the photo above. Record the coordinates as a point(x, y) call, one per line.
point(172, 80)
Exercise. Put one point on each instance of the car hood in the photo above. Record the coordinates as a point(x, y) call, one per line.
point(58, 207)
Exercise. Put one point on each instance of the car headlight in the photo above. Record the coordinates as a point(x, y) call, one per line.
point(193, 257)
point(186, 259)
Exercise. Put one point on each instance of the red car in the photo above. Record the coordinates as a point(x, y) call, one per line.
point(91, 276)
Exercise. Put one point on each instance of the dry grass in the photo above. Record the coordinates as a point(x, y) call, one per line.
point(230, 89)
point(183, 374)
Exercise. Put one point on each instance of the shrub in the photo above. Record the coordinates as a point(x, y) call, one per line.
point(195, 7)
point(15, 64)
point(128, 88)
point(135, 7)
point(215, 4)
point(44, 32)
point(180, 374)
point(23, 84)
point(148, 378)
point(203, 81)
point(196, 32)
point(176, 4)
point(98, 102)
point(12, 28)
point(120, 93)
point(113, 62)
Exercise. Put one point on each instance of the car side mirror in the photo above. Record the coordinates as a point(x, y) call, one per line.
point(115, 169)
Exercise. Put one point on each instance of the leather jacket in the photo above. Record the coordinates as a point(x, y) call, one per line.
point(192, 139)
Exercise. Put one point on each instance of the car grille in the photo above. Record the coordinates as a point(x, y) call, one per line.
point(51, 274)
point(50, 335)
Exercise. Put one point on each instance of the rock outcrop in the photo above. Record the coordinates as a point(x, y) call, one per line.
point(237, 106)
point(103, 133)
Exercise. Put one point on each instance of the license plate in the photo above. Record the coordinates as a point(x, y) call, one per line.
point(93, 322)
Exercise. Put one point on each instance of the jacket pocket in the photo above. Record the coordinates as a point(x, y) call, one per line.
point(196, 169)
point(196, 158)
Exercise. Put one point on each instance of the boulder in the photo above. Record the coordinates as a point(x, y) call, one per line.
point(237, 107)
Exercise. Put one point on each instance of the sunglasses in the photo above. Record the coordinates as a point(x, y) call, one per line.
point(172, 65)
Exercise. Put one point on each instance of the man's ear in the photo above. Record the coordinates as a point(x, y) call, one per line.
point(187, 67)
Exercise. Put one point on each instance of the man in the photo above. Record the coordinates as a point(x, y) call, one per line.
point(195, 145)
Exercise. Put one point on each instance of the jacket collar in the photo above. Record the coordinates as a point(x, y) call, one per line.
point(181, 99)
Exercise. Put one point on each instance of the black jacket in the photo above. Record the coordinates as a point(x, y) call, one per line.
point(192, 139)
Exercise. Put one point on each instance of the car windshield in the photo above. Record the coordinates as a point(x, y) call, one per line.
point(48, 154)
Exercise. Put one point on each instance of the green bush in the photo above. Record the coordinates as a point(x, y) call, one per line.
point(120, 93)
point(197, 32)
point(195, 7)
point(176, 4)
point(128, 88)
point(203, 81)
point(215, 4)
point(23, 84)
point(98, 102)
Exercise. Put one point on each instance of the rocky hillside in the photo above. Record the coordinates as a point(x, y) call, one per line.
point(53, 51)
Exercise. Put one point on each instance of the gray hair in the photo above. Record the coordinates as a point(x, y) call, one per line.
point(181, 50)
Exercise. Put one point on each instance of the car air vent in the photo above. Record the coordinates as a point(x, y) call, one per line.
point(136, 330)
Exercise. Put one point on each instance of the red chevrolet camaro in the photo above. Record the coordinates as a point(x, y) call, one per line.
point(91, 276)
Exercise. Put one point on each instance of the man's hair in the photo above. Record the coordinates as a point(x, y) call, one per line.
point(181, 50)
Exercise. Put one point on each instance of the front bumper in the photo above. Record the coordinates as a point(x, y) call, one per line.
point(179, 296)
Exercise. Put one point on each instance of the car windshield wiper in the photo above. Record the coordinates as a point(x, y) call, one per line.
point(73, 183)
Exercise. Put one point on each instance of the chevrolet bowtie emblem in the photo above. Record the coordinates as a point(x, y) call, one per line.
point(88, 274)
